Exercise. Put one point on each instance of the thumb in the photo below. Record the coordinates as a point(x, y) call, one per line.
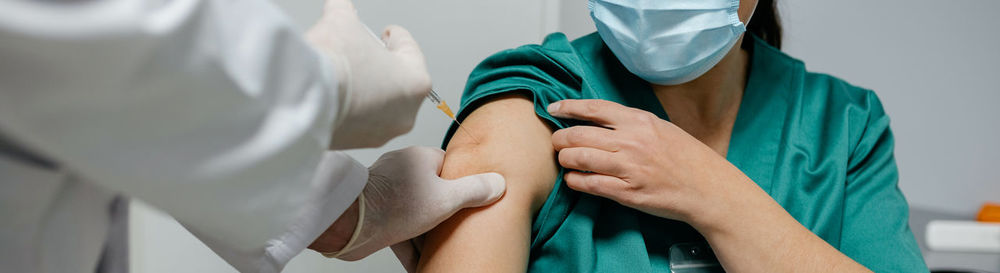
point(398, 39)
point(477, 190)
point(340, 6)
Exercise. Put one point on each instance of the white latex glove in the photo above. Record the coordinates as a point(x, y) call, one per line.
point(405, 198)
point(382, 84)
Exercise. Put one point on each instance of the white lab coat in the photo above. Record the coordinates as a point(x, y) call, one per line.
point(214, 111)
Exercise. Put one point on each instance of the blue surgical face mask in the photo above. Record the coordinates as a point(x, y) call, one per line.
point(668, 42)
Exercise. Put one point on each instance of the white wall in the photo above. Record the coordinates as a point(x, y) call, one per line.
point(934, 64)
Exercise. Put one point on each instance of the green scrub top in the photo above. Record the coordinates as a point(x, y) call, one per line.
point(819, 146)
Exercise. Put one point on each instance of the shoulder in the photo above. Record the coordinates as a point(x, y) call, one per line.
point(552, 66)
point(545, 73)
point(835, 93)
point(826, 103)
point(862, 112)
point(803, 84)
point(556, 51)
point(841, 95)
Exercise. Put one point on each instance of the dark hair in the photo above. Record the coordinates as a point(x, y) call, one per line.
point(766, 24)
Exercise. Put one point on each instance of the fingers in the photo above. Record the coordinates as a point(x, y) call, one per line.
point(585, 136)
point(602, 112)
point(597, 184)
point(398, 39)
point(476, 190)
point(592, 160)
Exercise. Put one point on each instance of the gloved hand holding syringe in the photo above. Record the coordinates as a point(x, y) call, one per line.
point(434, 98)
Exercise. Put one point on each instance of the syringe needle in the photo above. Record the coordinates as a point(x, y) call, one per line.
point(433, 97)
point(443, 106)
point(461, 128)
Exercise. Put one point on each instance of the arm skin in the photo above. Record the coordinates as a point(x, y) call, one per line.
point(514, 142)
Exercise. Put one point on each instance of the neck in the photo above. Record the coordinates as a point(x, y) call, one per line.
point(712, 98)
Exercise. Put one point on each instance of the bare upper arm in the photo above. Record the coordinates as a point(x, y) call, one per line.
point(516, 143)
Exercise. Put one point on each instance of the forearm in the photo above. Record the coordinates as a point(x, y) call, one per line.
point(753, 233)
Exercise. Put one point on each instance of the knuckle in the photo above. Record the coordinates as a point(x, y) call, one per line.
point(670, 127)
point(637, 144)
point(638, 170)
point(645, 118)
point(591, 106)
point(642, 170)
point(641, 200)
point(628, 199)
point(633, 187)
point(584, 157)
point(618, 167)
point(393, 28)
point(629, 144)
point(639, 118)
point(575, 137)
point(651, 117)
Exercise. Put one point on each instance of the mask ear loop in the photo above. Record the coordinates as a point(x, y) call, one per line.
point(734, 16)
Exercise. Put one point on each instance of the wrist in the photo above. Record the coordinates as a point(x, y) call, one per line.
point(736, 204)
point(339, 233)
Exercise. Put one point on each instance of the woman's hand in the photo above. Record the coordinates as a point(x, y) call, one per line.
point(644, 162)
point(649, 164)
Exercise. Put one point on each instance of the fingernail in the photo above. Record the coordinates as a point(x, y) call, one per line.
point(553, 107)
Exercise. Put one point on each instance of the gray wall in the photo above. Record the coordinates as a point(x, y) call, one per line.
point(933, 63)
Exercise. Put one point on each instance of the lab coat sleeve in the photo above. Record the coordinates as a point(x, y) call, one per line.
point(876, 231)
point(215, 111)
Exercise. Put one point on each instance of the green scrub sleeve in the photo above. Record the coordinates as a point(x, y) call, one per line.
point(875, 230)
point(536, 70)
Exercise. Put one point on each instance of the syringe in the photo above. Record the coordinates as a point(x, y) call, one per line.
point(434, 98)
